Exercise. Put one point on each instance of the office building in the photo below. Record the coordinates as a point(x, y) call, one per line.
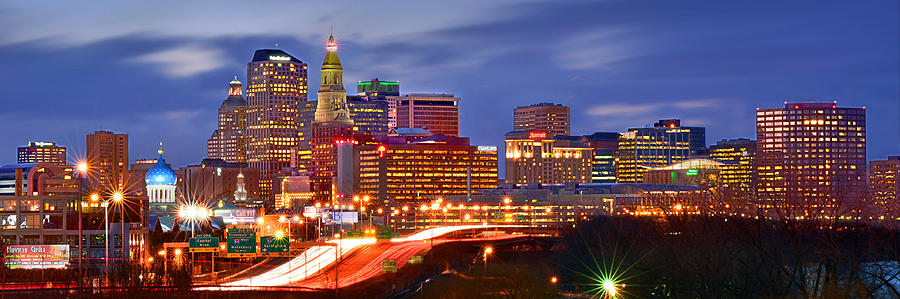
point(405, 170)
point(217, 179)
point(439, 113)
point(388, 91)
point(533, 157)
point(300, 158)
point(107, 155)
point(548, 117)
point(603, 156)
point(884, 180)
point(369, 114)
point(332, 125)
point(229, 141)
point(811, 159)
point(664, 144)
point(738, 179)
point(277, 85)
point(693, 172)
point(38, 179)
point(42, 152)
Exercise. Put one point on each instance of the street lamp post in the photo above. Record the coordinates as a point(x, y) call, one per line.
point(82, 170)
point(119, 198)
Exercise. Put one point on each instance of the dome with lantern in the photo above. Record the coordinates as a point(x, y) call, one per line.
point(161, 173)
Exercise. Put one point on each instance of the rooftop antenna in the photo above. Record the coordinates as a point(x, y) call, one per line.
point(276, 45)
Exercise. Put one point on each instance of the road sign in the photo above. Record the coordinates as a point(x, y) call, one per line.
point(416, 259)
point(270, 245)
point(499, 215)
point(241, 241)
point(384, 232)
point(354, 234)
point(203, 243)
point(520, 217)
point(389, 266)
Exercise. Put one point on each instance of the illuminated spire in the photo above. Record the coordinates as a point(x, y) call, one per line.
point(160, 149)
point(332, 104)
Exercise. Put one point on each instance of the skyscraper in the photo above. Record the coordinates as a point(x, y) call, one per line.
point(369, 114)
point(379, 90)
point(42, 152)
point(811, 158)
point(548, 117)
point(277, 84)
point(664, 144)
point(107, 154)
point(229, 141)
point(603, 160)
point(332, 125)
point(439, 113)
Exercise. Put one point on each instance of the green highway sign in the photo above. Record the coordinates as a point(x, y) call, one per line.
point(273, 245)
point(693, 171)
point(499, 216)
point(354, 234)
point(205, 243)
point(416, 259)
point(389, 266)
point(241, 240)
point(384, 232)
point(520, 217)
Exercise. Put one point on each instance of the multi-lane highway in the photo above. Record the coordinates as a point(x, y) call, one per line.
point(356, 259)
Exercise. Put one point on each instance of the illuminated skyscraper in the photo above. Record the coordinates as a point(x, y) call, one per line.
point(548, 117)
point(107, 154)
point(229, 141)
point(332, 125)
point(369, 114)
point(667, 142)
point(811, 158)
point(439, 113)
point(603, 160)
point(277, 84)
point(42, 152)
point(388, 91)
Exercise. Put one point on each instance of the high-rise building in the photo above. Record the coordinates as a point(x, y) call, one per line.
point(107, 155)
point(664, 144)
point(532, 157)
point(405, 169)
point(300, 158)
point(229, 141)
point(369, 114)
point(603, 156)
point(439, 113)
point(277, 85)
point(810, 159)
point(376, 89)
point(332, 125)
point(548, 117)
point(884, 178)
point(738, 179)
point(42, 152)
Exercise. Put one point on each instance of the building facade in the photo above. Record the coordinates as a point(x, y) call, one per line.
point(738, 179)
point(229, 141)
point(394, 171)
point(532, 157)
point(884, 190)
point(38, 179)
point(665, 143)
point(369, 114)
point(107, 155)
point(277, 85)
point(42, 152)
point(548, 117)
point(811, 159)
point(439, 113)
point(603, 156)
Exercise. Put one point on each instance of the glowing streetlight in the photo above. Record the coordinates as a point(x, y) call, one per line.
point(279, 234)
point(95, 197)
point(82, 167)
point(178, 251)
point(296, 218)
point(610, 288)
point(553, 280)
point(161, 253)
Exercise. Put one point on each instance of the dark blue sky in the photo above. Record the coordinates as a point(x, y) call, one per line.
point(159, 71)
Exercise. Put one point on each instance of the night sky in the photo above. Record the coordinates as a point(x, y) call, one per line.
point(158, 71)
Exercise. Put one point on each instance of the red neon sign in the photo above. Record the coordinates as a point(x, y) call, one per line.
point(537, 135)
point(381, 150)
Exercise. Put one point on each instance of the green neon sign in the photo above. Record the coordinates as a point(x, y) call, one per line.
point(693, 172)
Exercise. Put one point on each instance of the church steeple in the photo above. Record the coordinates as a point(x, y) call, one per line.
point(332, 104)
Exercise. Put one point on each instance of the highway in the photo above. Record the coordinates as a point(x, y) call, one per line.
point(360, 259)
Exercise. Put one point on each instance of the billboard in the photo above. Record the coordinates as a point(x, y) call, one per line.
point(341, 217)
point(236, 216)
point(36, 256)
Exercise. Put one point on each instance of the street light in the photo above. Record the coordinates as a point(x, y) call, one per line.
point(610, 288)
point(82, 170)
point(118, 197)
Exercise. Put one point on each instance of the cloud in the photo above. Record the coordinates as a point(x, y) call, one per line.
point(185, 61)
point(622, 109)
point(181, 114)
point(600, 48)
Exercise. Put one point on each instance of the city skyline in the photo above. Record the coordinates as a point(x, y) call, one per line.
point(715, 80)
